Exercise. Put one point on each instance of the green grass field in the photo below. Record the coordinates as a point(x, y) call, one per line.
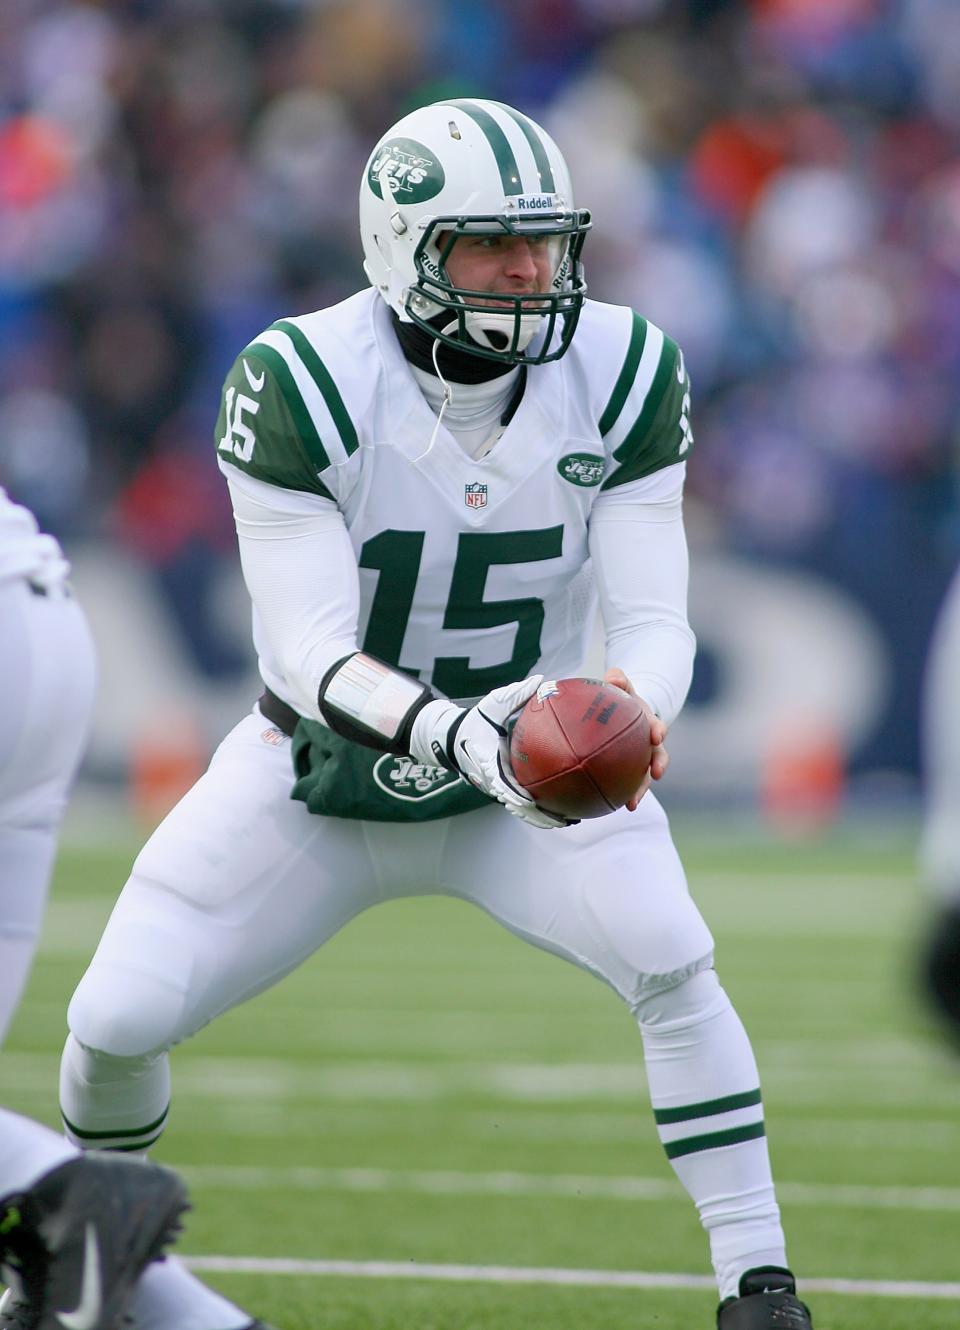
point(428, 1092)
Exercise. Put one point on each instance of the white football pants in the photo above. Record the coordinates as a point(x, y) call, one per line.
point(46, 695)
point(47, 672)
point(240, 884)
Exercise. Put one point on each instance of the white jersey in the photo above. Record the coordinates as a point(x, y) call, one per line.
point(25, 551)
point(473, 573)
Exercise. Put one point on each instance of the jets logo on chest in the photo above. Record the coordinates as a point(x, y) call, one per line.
point(475, 495)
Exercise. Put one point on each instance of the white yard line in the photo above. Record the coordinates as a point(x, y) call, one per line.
point(454, 1183)
point(856, 1074)
point(508, 1274)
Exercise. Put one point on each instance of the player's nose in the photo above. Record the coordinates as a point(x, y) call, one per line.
point(520, 261)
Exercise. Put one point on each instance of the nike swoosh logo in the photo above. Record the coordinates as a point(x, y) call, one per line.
point(87, 1313)
point(681, 369)
point(255, 383)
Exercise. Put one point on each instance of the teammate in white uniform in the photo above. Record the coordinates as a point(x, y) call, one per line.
point(432, 483)
point(940, 847)
point(75, 1230)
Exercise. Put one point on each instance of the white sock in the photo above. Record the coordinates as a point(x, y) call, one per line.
point(113, 1103)
point(28, 1150)
point(705, 1091)
point(169, 1297)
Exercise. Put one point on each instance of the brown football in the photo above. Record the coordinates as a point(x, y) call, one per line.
point(580, 747)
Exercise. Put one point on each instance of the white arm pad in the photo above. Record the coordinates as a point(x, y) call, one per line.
point(639, 552)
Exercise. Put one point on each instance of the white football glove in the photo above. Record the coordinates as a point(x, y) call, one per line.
point(477, 744)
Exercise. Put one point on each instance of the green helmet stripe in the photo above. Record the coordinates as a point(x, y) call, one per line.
point(321, 377)
point(301, 417)
point(545, 171)
point(638, 335)
point(506, 161)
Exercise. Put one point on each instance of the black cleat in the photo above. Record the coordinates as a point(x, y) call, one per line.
point(74, 1245)
point(768, 1301)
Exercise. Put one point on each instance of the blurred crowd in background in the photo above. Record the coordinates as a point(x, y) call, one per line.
point(776, 183)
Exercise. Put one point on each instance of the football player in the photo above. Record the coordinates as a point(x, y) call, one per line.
point(433, 482)
point(940, 956)
point(76, 1229)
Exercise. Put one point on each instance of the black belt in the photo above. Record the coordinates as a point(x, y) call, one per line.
point(279, 712)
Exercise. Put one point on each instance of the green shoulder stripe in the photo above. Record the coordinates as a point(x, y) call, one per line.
point(306, 429)
point(661, 434)
point(321, 377)
point(264, 428)
point(611, 412)
point(662, 381)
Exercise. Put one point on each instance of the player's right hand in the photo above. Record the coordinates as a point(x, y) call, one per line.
point(476, 742)
point(658, 733)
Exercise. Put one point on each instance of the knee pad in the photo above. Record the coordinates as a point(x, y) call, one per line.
point(695, 999)
point(95, 1071)
point(124, 1013)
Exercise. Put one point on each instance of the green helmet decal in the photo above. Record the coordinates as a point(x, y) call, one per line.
point(413, 172)
point(583, 469)
point(537, 147)
point(499, 143)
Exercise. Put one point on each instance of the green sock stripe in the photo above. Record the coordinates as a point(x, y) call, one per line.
point(321, 377)
point(116, 1135)
point(628, 372)
point(129, 1149)
point(547, 182)
point(499, 143)
point(714, 1140)
point(710, 1108)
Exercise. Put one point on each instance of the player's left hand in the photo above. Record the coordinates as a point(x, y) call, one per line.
point(481, 750)
point(476, 743)
point(658, 732)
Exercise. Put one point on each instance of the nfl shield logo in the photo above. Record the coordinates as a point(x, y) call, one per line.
point(475, 495)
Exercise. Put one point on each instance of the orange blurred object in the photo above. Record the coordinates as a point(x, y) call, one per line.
point(734, 159)
point(803, 780)
point(35, 160)
point(168, 756)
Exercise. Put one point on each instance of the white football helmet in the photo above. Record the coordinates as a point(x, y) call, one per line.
point(467, 166)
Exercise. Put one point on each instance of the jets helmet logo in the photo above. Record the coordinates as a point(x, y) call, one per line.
point(412, 173)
